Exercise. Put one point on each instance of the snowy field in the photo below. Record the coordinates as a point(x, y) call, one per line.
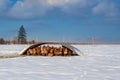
point(99, 62)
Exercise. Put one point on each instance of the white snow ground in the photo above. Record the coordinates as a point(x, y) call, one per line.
point(99, 62)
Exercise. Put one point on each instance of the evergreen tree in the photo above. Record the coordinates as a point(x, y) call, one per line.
point(2, 41)
point(22, 36)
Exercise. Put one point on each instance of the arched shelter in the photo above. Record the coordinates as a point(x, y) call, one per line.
point(75, 51)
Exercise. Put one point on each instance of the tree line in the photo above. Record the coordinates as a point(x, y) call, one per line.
point(20, 39)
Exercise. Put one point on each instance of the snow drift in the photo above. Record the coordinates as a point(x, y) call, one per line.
point(99, 62)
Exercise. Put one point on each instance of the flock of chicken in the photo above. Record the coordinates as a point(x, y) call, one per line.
point(50, 51)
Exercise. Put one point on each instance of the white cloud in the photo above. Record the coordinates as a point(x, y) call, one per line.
point(3, 5)
point(26, 9)
point(62, 3)
point(79, 7)
point(57, 2)
point(37, 8)
point(33, 8)
point(105, 8)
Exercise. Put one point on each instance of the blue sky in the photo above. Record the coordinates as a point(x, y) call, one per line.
point(60, 20)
